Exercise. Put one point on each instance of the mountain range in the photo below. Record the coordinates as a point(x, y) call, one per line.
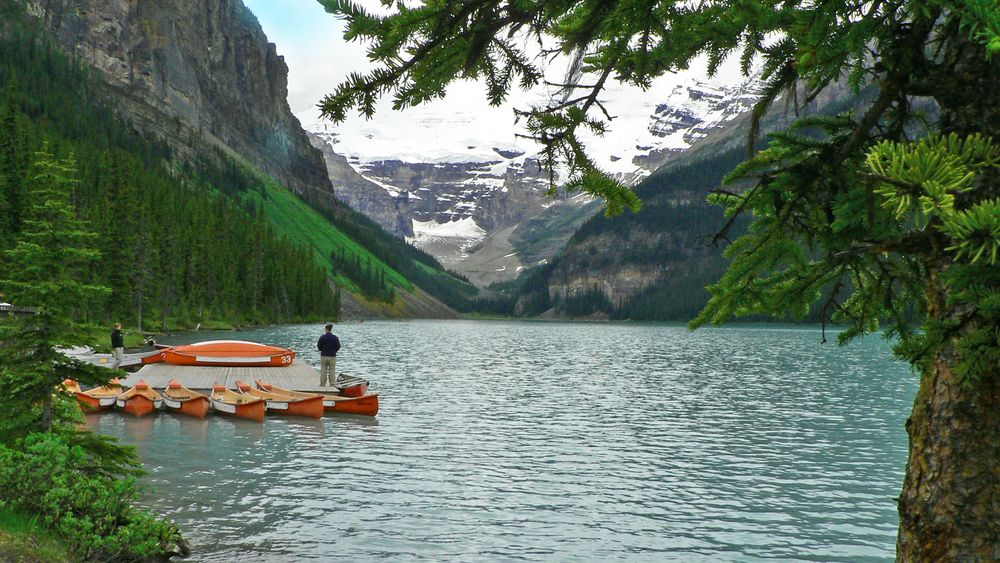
point(386, 209)
point(476, 198)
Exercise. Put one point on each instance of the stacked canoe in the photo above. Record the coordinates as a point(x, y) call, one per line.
point(228, 353)
point(245, 401)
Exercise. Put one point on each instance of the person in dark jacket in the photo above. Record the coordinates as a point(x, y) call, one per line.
point(117, 345)
point(328, 345)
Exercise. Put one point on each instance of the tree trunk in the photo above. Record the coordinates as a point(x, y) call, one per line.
point(950, 504)
point(47, 413)
point(949, 509)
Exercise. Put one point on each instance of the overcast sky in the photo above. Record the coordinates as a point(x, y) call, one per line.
point(312, 43)
point(318, 58)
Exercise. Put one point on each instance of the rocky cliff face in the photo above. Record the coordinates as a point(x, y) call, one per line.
point(388, 209)
point(193, 69)
point(461, 212)
point(494, 194)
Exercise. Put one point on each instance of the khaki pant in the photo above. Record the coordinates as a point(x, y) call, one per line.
point(328, 369)
point(119, 354)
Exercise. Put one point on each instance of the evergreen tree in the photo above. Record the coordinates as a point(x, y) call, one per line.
point(46, 270)
point(850, 211)
point(11, 167)
point(47, 463)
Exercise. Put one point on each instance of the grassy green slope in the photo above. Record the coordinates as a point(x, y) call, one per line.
point(347, 234)
point(404, 266)
point(303, 225)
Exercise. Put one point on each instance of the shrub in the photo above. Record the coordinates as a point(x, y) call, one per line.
point(72, 492)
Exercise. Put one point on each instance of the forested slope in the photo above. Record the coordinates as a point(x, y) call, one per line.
point(650, 265)
point(172, 250)
point(209, 239)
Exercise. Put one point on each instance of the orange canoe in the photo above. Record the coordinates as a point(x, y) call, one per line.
point(139, 400)
point(98, 399)
point(366, 405)
point(310, 405)
point(265, 386)
point(227, 401)
point(228, 353)
point(180, 399)
point(154, 357)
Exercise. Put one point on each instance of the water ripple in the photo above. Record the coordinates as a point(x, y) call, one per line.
point(504, 440)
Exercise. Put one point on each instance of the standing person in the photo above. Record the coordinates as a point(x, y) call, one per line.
point(117, 345)
point(328, 345)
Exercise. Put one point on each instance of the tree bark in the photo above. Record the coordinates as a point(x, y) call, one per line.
point(949, 509)
point(47, 414)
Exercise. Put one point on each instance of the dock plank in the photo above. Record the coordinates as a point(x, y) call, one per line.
point(298, 376)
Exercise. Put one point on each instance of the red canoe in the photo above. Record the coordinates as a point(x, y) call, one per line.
point(351, 386)
point(154, 357)
point(237, 404)
point(139, 400)
point(229, 353)
point(180, 399)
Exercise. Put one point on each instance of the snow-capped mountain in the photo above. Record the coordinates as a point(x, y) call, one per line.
point(458, 184)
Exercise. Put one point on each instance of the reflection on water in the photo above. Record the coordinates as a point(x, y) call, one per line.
point(500, 440)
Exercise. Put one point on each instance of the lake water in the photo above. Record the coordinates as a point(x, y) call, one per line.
point(542, 441)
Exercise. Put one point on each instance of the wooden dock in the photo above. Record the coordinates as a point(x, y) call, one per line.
point(87, 355)
point(298, 376)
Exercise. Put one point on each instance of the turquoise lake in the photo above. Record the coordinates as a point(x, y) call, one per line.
point(551, 441)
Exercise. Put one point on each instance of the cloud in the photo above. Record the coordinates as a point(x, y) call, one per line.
point(312, 43)
point(461, 125)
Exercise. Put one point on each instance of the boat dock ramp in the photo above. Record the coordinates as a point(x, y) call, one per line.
point(299, 376)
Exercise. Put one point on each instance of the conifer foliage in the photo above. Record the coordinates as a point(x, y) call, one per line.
point(46, 270)
point(176, 245)
point(850, 213)
point(54, 248)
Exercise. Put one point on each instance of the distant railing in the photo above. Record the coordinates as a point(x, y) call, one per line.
point(8, 310)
